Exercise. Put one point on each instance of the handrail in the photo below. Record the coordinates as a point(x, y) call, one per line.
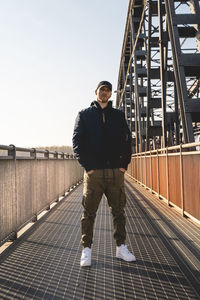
point(172, 175)
point(171, 148)
point(31, 180)
point(46, 153)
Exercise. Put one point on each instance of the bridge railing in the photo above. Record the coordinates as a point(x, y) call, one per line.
point(30, 181)
point(172, 173)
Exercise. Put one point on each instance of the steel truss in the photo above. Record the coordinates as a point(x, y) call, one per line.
point(159, 75)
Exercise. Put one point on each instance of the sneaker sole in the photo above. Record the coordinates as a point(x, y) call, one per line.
point(129, 260)
point(85, 264)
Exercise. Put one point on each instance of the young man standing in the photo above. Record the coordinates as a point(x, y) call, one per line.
point(102, 145)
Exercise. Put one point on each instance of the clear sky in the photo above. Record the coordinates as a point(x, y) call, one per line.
point(52, 55)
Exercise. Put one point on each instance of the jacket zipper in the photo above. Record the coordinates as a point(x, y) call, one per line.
point(103, 117)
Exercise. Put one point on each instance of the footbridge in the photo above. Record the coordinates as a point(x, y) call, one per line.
point(41, 190)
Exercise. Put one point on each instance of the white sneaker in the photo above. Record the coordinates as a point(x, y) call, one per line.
point(123, 253)
point(86, 257)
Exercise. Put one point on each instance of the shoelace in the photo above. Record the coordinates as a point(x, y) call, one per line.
point(86, 253)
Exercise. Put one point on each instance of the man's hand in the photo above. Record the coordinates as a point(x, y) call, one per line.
point(122, 170)
point(90, 172)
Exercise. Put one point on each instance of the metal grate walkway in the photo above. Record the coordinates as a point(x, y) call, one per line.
point(44, 262)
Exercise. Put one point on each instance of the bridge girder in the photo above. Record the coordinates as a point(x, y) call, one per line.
point(159, 75)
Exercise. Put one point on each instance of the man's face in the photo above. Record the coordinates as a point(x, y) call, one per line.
point(103, 94)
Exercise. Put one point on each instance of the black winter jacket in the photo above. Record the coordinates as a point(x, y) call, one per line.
point(102, 138)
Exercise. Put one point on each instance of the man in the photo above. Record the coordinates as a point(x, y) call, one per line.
point(102, 145)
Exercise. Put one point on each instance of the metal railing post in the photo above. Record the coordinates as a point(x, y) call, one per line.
point(13, 153)
point(151, 172)
point(158, 174)
point(141, 170)
point(181, 180)
point(46, 154)
point(167, 177)
point(145, 161)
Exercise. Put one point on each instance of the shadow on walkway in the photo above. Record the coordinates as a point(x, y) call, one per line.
point(44, 262)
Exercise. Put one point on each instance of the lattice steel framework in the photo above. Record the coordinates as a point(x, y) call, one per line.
point(159, 75)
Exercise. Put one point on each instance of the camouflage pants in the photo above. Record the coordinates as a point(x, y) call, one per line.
point(109, 182)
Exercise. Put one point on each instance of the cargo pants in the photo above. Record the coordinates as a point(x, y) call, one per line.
point(109, 182)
